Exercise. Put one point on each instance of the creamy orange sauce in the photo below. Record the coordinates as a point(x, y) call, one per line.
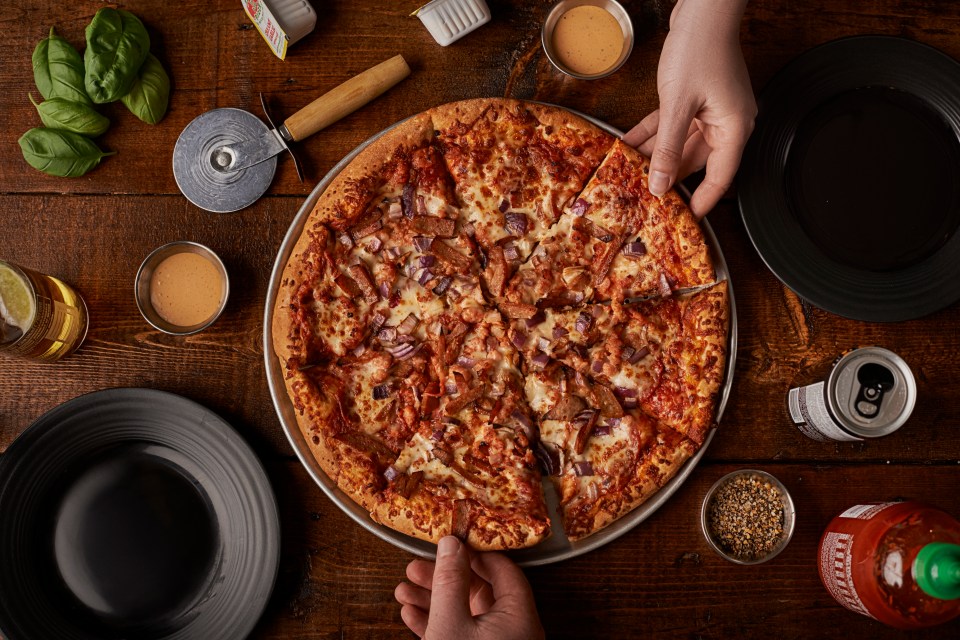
point(186, 289)
point(587, 40)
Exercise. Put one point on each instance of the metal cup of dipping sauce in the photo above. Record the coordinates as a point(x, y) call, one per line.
point(41, 317)
point(587, 39)
point(182, 288)
point(869, 393)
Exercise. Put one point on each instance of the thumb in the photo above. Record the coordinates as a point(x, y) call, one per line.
point(450, 600)
point(668, 149)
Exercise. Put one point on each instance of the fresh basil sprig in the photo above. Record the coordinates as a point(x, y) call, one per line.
point(77, 117)
point(60, 153)
point(150, 94)
point(58, 70)
point(117, 45)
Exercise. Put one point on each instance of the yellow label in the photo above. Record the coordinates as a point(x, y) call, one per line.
point(265, 22)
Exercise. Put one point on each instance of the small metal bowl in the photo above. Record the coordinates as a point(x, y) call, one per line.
point(145, 275)
point(610, 6)
point(789, 517)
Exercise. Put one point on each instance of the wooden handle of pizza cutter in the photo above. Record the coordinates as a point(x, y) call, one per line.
point(346, 98)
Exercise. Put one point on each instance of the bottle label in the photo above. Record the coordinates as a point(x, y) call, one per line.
point(836, 569)
point(268, 26)
point(865, 511)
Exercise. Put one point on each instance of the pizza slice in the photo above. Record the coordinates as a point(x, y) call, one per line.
point(616, 241)
point(516, 166)
point(470, 469)
point(666, 356)
point(605, 460)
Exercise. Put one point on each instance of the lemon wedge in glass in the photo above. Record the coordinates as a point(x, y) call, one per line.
point(17, 307)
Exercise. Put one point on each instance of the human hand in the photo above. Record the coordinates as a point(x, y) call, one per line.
point(707, 107)
point(468, 596)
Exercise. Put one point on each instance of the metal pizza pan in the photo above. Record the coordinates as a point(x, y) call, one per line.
point(556, 547)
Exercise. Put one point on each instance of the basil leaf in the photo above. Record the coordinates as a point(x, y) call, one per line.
point(60, 153)
point(58, 70)
point(77, 117)
point(117, 45)
point(150, 94)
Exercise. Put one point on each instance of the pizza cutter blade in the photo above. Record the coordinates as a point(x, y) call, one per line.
point(225, 159)
point(195, 161)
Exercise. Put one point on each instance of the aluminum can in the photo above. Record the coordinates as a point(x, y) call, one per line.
point(869, 393)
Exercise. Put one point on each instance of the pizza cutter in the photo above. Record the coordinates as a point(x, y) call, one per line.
point(225, 159)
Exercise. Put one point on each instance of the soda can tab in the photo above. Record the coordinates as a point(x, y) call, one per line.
point(869, 393)
point(41, 317)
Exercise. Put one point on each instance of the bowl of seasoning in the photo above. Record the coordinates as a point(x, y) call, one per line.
point(182, 288)
point(748, 516)
point(587, 39)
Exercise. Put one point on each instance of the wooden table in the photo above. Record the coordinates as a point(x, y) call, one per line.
point(336, 579)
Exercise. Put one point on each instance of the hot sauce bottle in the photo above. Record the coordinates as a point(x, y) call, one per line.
point(896, 562)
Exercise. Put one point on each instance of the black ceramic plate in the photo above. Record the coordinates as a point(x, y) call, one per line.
point(850, 185)
point(136, 514)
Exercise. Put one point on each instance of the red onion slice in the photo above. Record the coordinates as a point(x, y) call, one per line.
point(583, 468)
point(634, 249)
point(579, 207)
point(391, 473)
point(425, 276)
point(549, 457)
point(401, 351)
point(381, 392)
point(443, 285)
point(377, 322)
point(374, 245)
point(422, 243)
point(583, 322)
point(518, 338)
point(540, 360)
point(516, 223)
point(538, 318)
point(406, 199)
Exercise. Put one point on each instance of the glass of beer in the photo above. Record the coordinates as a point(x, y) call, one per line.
point(41, 317)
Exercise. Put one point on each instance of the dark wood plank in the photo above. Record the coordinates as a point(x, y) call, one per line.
point(660, 580)
point(96, 244)
point(336, 580)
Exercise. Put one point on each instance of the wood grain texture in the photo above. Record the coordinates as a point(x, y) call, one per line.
point(336, 580)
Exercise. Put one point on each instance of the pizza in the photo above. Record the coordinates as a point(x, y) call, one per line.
point(488, 298)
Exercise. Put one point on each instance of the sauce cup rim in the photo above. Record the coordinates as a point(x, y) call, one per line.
point(612, 7)
point(145, 272)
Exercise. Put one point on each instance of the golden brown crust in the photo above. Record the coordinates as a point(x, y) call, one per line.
point(426, 517)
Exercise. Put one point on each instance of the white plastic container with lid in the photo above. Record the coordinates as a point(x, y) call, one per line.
point(450, 20)
point(281, 22)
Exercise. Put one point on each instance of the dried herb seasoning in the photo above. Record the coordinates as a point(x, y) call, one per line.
point(746, 517)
